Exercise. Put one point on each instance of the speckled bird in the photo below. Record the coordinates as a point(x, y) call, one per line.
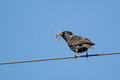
point(78, 44)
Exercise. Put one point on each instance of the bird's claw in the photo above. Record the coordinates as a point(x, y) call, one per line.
point(75, 56)
point(87, 55)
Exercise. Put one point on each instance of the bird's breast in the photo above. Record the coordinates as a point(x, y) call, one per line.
point(78, 47)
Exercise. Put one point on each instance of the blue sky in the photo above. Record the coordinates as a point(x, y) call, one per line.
point(28, 28)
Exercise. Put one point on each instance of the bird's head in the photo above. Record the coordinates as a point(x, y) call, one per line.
point(64, 34)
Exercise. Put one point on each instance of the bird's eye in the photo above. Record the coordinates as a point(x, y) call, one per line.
point(65, 34)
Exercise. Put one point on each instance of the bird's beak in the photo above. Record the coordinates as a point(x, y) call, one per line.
point(57, 36)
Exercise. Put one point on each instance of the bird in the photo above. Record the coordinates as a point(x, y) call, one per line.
point(77, 44)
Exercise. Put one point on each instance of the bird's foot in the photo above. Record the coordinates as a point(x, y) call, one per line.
point(87, 55)
point(75, 56)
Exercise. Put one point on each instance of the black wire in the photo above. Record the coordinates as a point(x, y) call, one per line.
point(57, 58)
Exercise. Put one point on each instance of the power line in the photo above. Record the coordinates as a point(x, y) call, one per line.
point(57, 58)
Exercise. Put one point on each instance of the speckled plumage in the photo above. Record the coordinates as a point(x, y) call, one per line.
point(76, 43)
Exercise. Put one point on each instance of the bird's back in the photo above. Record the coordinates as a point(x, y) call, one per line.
point(75, 40)
point(80, 43)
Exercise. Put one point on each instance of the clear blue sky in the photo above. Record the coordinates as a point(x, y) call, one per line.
point(28, 28)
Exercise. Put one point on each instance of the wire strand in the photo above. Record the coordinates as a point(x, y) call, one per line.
point(57, 58)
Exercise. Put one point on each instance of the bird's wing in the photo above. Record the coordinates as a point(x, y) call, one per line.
point(75, 40)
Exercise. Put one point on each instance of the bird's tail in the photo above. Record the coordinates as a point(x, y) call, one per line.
point(88, 46)
point(92, 44)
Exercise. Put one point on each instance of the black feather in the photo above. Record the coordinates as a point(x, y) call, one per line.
point(76, 43)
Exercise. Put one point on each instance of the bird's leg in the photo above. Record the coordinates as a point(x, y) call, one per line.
point(87, 54)
point(75, 54)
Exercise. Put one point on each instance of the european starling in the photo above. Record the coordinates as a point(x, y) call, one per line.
point(78, 44)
